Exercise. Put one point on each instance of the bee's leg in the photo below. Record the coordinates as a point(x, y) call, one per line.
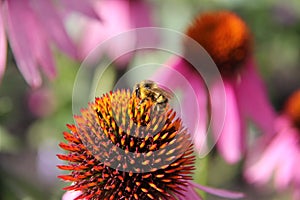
point(143, 101)
point(160, 107)
point(143, 105)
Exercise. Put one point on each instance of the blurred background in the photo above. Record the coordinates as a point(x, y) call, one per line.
point(32, 120)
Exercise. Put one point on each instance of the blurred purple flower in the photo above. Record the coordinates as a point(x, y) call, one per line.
point(41, 102)
point(117, 16)
point(285, 14)
point(227, 39)
point(32, 26)
point(281, 155)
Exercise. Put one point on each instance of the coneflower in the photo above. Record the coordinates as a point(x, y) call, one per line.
point(227, 39)
point(122, 149)
point(280, 158)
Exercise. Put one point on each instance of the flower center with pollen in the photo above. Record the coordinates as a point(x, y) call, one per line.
point(292, 108)
point(225, 37)
point(121, 149)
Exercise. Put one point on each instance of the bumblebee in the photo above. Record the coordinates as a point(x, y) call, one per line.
point(148, 90)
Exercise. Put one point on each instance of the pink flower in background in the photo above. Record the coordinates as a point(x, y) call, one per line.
point(281, 156)
point(32, 26)
point(117, 16)
point(41, 102)
point(228, 41)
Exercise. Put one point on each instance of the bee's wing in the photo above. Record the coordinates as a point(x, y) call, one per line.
point(164, 91)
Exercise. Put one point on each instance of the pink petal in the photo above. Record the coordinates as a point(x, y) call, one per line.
point(140, 14)
point(125, 16)
point(112, 23)
point(261, 166)
point(189, 193)
point(93, 34)
point(45, 59)
point(253, 99)
point(285, 171)
point(20, 20)
point(178, 76)
point(177, 65)
point(219, 192)
point(3, 46)
point(197, 118)
point(52, 23)
point(230, 140)
point(119, 20)
point(71, 195)
point(297, 175)
point(35, 40)
point(182, 77)
point(85, 7)
point(288, 167)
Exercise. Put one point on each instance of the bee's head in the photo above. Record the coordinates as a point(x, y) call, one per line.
point(147, 84)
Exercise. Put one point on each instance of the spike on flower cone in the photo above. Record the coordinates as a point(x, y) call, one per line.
point(121, 149)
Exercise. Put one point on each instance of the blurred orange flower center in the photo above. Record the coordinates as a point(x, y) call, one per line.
point(292, 108)
point(225, 37)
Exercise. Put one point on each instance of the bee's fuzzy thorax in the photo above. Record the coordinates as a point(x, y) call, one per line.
point(148, 90)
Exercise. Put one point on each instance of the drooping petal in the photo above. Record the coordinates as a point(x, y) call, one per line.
point(71, 195)
point(85, 7)
point(45, 59)
point(41, 47)
point(33, 41)
point(3, 46)
point(189, 193)
point(287, 168)
point(193, 104)
point(140, 14)
point(218, 192)
point(253, 99)
point(53, 25)
point(177, 66)
point(261, 166)
point(112, 23)
point(20, 20)
point(230, 140)
point(126, 15)
point(197, 116)
point(297, 175)
point(93, 34)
